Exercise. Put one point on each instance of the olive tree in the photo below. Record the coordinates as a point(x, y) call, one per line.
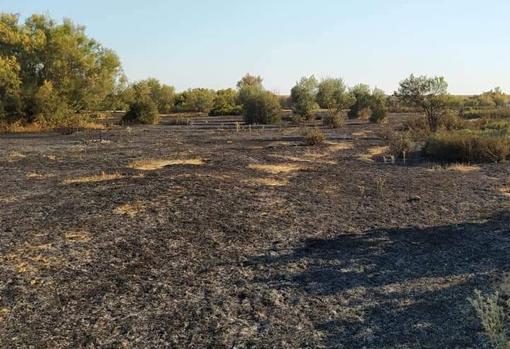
point(334, 96)
point(362, 102)
point(303, 96)
point(430, 94)
point(247, 86)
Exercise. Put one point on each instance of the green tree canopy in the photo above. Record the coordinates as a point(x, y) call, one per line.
point(303, 96)
point(427, 93)
point(40, 53)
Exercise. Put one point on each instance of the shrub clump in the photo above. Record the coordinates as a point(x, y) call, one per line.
point(468, 146)
point(313, 136)
point(261, 107)
point(143, 111)
point(401, 144)
point(333, 120)
point(494, 113)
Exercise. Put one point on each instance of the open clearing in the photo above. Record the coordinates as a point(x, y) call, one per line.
point(200, 236)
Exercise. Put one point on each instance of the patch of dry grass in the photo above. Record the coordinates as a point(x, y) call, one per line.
point(77, 236)
point(276, 169)
point(339, 146)
point(463, 168)
point(35, 175)
point(15, 156)
point(129, 209)
point(156, 164)
point(96, 178)
point(268, 182)
point(374, 151)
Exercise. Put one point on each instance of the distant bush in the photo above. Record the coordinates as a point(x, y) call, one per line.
point(195, 100)
point(261, 107)
point(143, 111)
point(313, 136)
point(362, 102)
point(401, 144)
point(378, 106)
point(333, 121)
point(493, 113)
point(226, 103)
point(468, 146)
point(303, 96)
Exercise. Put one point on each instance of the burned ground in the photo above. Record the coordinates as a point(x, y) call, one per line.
point(193, 237)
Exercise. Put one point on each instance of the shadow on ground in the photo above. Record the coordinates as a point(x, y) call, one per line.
point(417, 281)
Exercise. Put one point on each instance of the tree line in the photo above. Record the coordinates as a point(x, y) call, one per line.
point(52, 72)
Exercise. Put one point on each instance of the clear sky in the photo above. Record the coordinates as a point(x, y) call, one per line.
point(212, 43)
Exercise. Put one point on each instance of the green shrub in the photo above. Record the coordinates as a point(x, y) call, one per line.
point(195, 100)
point(468, 146)
point(333, 121)
point(303, 96)
point(400, 144)
point(226, 103)
point(493, 113)
point(313, 136)
point(494, 313)
point(378, 106)
point(261, 107)
point(363, 101)
point(143, 111)
point(50, 109)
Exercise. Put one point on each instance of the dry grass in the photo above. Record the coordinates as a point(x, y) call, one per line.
point(374, 151)
point(91, 179)
point(35, 175)
point(15, 156)
point(268, 182)
point(129, 209)
point(464, 168)
point(340, 146)
point(359, 134)
point(276, 169)
point(19, 127)
point(156, 164)
point(77, 236)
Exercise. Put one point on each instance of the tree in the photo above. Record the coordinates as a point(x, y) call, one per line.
point(248, 85)
point(428, 94)
point(333, 95)
point(40, 52)
point(303, 96)
point(378, 106)
point(226, 103)
point(362, 102)
point(142, 111)
point(195, 100)
point(9, 87)
point(261, 107)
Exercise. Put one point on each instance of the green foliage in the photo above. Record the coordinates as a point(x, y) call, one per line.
point(400, 143)
point(362, 101)
point(493, 113)
point(494, 313)
point(40, 51)
point(303, 96)
point(9, 87)
point(142, 111)
point(49, 108)
point(195, 100)
point(313, 136)
point(248, 86)
point(378, 106)
point(226, 103)
point(468, 146)
point(261, 107)
point(333, 121)
point(495, 98)
point(162, 95)
point(428, 94)
point(333, 95)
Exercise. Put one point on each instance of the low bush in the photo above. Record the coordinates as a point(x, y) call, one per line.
point(334, 121)
point(401, 144)
point(143, 111)
point(378, 115)
point(494, 313)
point(261, 107)
point(493, 113)
point(468, 146)
point(313, 136)
point(228, 110)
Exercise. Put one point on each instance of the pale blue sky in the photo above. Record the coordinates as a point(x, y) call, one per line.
point(191, 43)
